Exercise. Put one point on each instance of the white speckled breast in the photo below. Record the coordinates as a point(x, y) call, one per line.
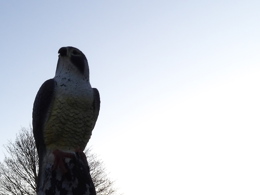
point(70, 123)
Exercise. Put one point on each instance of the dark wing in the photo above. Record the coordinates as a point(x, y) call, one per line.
point(41, 107)
point(96, 105)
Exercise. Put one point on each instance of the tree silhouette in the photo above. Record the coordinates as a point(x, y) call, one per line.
point(18, 171)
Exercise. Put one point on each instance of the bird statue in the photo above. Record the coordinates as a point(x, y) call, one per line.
point(65, 112)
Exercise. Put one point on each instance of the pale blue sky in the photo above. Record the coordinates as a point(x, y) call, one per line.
point(179, 84)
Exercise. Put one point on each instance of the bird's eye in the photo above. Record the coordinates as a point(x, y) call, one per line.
point(75, 52)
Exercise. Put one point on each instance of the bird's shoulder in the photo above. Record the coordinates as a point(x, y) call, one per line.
point(44, 96)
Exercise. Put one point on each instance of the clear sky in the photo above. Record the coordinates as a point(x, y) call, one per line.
point(179, 84)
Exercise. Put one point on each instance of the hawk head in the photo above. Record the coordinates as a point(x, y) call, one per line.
point(72, 62)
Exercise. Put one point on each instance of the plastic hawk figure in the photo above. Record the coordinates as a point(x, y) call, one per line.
point(65, 111)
